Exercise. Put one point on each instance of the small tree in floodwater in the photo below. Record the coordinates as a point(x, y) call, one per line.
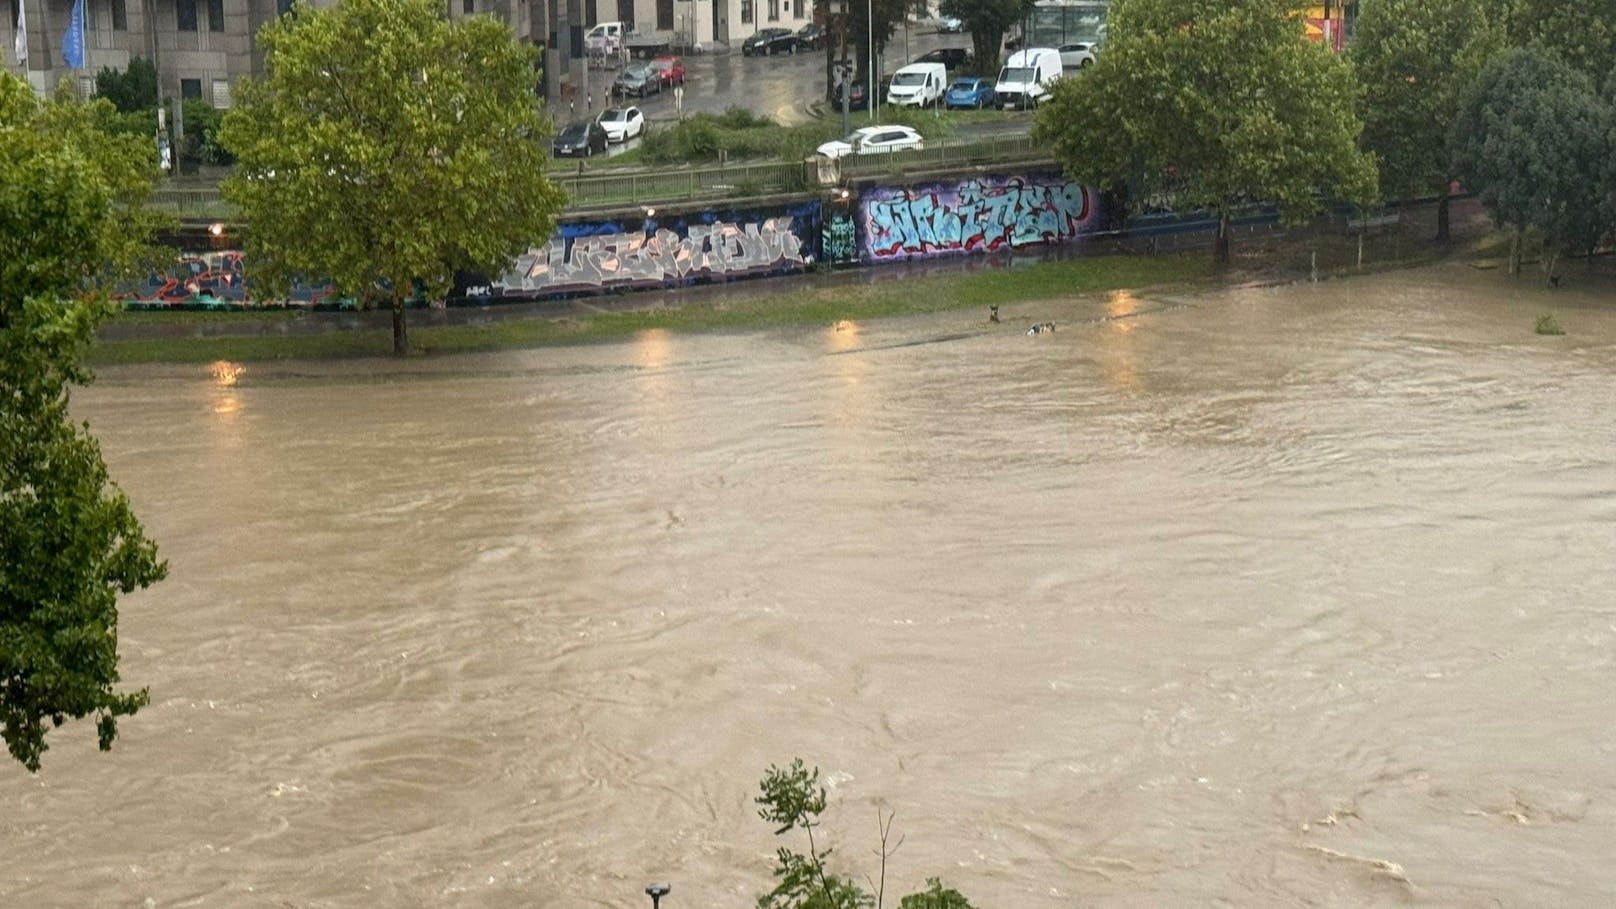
point(793, 799)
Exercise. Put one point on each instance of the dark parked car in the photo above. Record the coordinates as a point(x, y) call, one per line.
point(639, 79)
point(811, 36)
point(858, 98)
point(580, 140)
point(950, 57)
point(770, 41)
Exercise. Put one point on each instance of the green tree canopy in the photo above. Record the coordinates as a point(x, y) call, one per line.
point(1219, 102)
point(388, 147)
point(1583, 33)
point(987, 21)
point(1533, 141)
point(133, 89)
point(1413, 58)
point(69, 543)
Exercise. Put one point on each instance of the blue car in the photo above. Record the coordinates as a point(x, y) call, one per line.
point(969, 92)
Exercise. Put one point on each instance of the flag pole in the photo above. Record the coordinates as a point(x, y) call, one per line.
point(19, 42)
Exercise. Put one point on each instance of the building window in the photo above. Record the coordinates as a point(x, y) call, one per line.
point(120, 16)
point(282, 7)
point(215, 15)
point(746, 11)
point(185, 13)
point(190, 88)
point(797, 10)
point(774, 10)
point(468, 6)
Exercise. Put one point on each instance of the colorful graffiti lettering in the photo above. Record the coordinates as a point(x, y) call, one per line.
point(655, 258)
point(216, 278)
point(839, 238)
point(975, 215)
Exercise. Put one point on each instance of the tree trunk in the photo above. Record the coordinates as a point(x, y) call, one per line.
point(1442, 214)
point(1515, 252)
point(1220, 252)
point(401, 338)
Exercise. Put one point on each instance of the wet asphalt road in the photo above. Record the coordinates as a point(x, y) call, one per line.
point(786, 88)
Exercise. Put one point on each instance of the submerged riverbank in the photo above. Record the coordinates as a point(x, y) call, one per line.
point(822, 297)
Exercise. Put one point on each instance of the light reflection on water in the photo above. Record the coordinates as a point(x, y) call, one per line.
point(1295, 594)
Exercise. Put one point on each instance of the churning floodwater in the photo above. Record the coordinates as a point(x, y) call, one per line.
point(1264, 597)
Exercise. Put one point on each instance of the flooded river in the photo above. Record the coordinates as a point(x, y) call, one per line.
point(1273, 596)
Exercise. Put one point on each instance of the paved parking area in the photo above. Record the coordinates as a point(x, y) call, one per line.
point(783, 87)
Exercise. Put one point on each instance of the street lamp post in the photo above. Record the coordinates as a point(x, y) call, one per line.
point(872, 84)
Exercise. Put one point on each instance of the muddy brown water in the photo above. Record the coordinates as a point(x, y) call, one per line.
point(1272, 596)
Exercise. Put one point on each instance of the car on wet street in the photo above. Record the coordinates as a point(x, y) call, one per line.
point(770, 41)
point(671, 70)
point(583, 139)
point(970, 92)
point(811, 36)
point(638, 79)
point(858, 96)
point(622, 123)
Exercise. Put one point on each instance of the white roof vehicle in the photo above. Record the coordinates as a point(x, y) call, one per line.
point(622, 123)
point(873, 140)
point(1078, 54)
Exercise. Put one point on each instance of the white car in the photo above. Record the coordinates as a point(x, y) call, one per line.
point(873, 140)
point(622, 123)
point(1079, 55)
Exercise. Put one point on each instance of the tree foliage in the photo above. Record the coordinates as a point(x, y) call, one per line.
point(792, 799)
point(1414, 58)
point(387, 148)
point(135, 88)
point(1534, 142)
point(987, 21)
point(1219, 103)
point(69, 543)
point(1582, 34)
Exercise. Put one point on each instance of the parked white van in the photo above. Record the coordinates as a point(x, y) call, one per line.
point(1025, 79)
point(918, 85)
point(605, 35)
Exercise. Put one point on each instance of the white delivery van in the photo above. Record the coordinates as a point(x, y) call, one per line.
point(1025, 79)
point(918, 85)
point(605, 35)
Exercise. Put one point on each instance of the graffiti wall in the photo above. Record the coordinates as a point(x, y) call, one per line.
point(215, 279)
point(591, 257)
point(979, 214)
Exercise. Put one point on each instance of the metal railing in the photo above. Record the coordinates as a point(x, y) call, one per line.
point(588, 188)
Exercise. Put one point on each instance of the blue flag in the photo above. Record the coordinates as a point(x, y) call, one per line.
point(73, 38)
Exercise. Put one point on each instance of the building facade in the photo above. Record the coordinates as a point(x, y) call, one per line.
point(201, 47)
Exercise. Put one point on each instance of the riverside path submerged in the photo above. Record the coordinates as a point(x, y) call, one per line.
point(1275, 596)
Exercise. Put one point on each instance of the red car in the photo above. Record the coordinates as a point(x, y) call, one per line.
point(670, 68)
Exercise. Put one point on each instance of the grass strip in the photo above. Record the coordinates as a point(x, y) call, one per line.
point(801, 306)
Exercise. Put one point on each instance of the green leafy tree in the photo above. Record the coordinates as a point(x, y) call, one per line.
point(1414, 58)
point(935, 896)
point(1220, 103)
point(133, 89)
point(70, 197)
point(387, 148)
point(987, 21)
point(792, 799)
point(1583, 34)
point(1533, 142)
